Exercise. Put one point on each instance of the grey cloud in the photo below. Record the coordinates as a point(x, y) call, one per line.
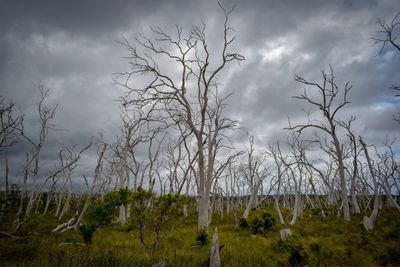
point(71, 46)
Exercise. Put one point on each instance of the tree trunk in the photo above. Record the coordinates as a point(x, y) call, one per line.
point(345, 198)
point(278, 209)
point(122, 214)
point(369, 222)
point(66, 206)
point(215, 260)
point(296, 207)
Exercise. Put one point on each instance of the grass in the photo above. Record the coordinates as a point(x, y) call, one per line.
point(315, 242)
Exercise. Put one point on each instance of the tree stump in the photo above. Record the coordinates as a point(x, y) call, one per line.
point(214, 257)
point(285, 233)
point(368, 224)
point(163, 263)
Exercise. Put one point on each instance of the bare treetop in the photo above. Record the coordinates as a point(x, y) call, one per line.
point(388, 33)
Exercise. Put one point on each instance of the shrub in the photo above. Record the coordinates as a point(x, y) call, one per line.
point(87, 231)
point(165, 207)
point(202, 237)
point(101, 213)
point(256, 225)
point(297, 254)
point(243, 223)
point(262, 222)
point(269, 221)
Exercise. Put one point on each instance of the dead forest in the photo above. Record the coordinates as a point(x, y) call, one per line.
point(177, 183)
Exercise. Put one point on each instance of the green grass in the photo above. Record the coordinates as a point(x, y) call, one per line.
point(315, 242)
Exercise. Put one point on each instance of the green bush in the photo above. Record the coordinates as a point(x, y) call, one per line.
point(297, 254)
point(202, 237)
point(87, 231)
point(102, 212)
point(99, 214)
point(256, 225)
point(269, 221)
point(244, 223)
point(262, 222)
point(165, 208)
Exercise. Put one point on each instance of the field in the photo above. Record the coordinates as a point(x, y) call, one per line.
point(315, 242)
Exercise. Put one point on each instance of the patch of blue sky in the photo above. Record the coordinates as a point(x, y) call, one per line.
point(391, 100)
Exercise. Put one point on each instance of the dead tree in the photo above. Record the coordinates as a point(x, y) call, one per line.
point(188, 90)
point(369, 222)
point(388, 34)
point(125, 149)
point(331, 99)
point(274, 151)
point(68, 161)
point(10, 124)
point(352, 170)
point(46, 116)
point(254, 172)
point(96, 177)
point(389, 178)
point(296, 170)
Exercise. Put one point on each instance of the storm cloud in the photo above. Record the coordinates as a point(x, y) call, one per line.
point(73, 48)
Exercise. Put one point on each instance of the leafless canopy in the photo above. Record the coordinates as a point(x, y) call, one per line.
point(387, 33)
point(331, 100)
point(178, 85)
point(388, 36)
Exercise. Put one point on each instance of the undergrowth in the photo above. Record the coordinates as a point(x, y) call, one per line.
point(315, 242)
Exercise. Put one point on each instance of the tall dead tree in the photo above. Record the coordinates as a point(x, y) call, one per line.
point(46, 116)
point(68, 161)
point(330, 100)
point(369, 222)
point(388, 33)
point(389, 174)
point(274, 151)
point(254, 173)
point(295, 170)
point(388, 36)
point(95, 180)
point(10, 124)
point(180, 74)
point(354, 169)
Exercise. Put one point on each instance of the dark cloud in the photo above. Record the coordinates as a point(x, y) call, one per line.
point(71, 46)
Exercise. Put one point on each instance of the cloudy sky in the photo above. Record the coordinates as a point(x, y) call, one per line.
point(72, 47)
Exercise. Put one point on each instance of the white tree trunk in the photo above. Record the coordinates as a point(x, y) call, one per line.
point(215, 260)
point(66, 206)
point(278, 209)
point(296, 208)
point(369, 222)
point(122, 214)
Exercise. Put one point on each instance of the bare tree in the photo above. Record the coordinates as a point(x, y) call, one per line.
point(124, 162)
point(187, 91)
point(388, 34)
point(389, 174)
point(10, 124)
point(353, 176)
point(180, 164)
point(96, 178)
point(254, 172)
point(369, 222)
point(274, 151)
point(296, 171)
point(46, 116)
point(331, 99)
point(68, 161)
